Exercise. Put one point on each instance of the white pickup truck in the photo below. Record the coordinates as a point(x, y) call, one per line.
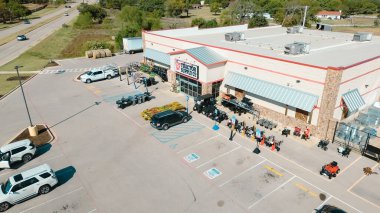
point(105, 72)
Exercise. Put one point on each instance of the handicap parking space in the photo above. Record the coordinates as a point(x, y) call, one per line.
point(294, 196)
point(209, 151)
point(255, 185)
point(234, 163)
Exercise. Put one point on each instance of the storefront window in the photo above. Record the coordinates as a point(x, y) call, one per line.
point(216, 88)
point(189, 86)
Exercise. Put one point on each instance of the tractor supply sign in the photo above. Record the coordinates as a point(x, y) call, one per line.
point(185, 68)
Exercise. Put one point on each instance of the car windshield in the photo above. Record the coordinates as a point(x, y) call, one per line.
point(6, 187)
point(88, 73)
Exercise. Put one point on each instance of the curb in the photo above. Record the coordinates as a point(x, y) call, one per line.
point(26, 81)
point(47, 128)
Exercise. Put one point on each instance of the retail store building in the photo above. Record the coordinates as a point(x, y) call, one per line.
point(331, 78)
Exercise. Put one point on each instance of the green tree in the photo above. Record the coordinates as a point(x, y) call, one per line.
point(131, 15)
point(127, 31)
point(257, 21)
point(152, 5)
point(368, 8)
point(83, 21)
point(198, 22)
point(215, 7)
point(96, 11)
point(211, 24)
point(174, 8)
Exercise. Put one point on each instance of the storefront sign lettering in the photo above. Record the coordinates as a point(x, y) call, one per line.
point(187, 69)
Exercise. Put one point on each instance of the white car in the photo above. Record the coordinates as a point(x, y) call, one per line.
point(39, 180)
point(23, 150)
point(105, 72)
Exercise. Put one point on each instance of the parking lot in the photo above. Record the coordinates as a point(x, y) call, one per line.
point(109, 158)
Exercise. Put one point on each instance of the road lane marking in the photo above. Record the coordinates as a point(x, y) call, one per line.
point(221, 155)
point(267, 195)
point(202, 142)
point(48, 201)
point(247, 170)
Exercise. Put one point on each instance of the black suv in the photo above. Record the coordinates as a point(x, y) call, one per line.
point(166, 119)
point(329, 209)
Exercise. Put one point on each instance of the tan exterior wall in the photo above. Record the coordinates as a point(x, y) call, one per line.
point(358, 77)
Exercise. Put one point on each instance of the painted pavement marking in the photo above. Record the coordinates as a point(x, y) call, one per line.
point(247, 170)
point(212, 173)
point(273, 170)
point(192, 157)
point(177, 131)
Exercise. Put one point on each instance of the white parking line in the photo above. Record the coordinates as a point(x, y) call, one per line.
point(92, 211)
point(221, 155)
point(324, 202)
point(245, 171)
point(127, 116)
point(202, 142)
point(345, 169)
point(46, 202)
point(286, 182)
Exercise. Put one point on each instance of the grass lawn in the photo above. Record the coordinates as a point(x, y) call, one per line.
point(46, 10)
point(6, 86)
point(184, 21)
point(374, 30)
point(353, 21)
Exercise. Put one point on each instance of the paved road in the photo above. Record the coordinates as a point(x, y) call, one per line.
point(9, 31)
point(121, 162)
point(13, 49)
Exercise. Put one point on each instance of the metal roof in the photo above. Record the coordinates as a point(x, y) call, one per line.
point(278, 93)
point(205, 55)
point(155, 55)
point(353, 100)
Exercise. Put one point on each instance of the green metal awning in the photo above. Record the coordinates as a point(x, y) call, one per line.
point(353, 100)
point(282, 94)
point(157, 56)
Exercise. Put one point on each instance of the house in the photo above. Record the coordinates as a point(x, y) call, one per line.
point(324, 14)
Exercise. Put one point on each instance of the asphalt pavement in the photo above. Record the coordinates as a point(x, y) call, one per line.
point(119, 163)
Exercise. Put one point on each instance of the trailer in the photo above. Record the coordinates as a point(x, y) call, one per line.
point(132, 45)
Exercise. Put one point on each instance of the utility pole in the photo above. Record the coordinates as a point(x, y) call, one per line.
point(304, 17)
point(23, 95)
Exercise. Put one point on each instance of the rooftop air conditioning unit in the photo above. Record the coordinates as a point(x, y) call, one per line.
point(235, 36)
point(324, 27)
point(362, 37)
point(297, 48)
point(294, 30)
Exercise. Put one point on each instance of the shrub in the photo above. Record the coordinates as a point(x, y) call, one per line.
point(198, 22)
point(128, 31)
point(257, 21)
point(211, 23)
point(83, 21)
point(95, 45)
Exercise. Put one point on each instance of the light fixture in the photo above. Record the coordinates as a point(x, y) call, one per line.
point(151, 44)
point(298, 81)
point(173, 49)
point(366, 86)
point(245, 68)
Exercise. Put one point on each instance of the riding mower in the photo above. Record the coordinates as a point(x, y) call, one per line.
point(330, 170)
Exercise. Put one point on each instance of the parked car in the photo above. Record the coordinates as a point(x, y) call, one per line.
point(329, 209)
point(169, 118)
point(26, 21)
point(98, 74)
point(20, 187)
point(21, 38)
point(66, 14)
point(23, 150)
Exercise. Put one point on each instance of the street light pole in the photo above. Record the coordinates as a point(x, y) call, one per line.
point(187, 104)
point(23, 95)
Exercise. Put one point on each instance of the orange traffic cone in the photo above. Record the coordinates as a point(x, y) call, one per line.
point(273, 147)
point(262, 141)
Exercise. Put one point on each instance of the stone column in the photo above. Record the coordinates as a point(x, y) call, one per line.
point(328, 101)
point(171, 76)
point(206, 88)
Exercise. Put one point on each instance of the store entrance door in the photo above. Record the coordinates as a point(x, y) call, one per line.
point(189, 86)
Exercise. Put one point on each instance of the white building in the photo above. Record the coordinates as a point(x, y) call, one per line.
point(324, 14)
point(334, 80)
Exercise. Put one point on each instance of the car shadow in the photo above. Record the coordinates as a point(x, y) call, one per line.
point(65, 174)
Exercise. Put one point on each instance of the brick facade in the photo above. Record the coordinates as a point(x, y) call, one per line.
point(206, 88)
point(329, 97)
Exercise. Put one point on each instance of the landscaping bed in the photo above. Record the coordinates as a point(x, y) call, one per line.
point(148, 113)
point(10, 81)
point(42, 138)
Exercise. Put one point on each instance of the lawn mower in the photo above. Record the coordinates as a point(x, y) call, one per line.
point(323, 144)
point(330, 170)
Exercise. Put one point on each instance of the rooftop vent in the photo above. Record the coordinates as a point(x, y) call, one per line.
point(234, 36)
point(294, 30)
point(362, 37)
point(297, 48)
point(324, 27)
